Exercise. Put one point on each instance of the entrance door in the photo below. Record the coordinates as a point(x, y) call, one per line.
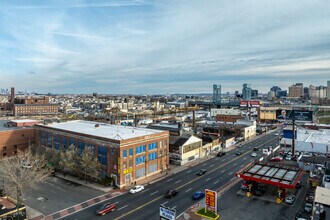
point(128, 179)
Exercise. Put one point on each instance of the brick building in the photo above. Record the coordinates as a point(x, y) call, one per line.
point(35, 109)
point(127, 154)
point(14, 137)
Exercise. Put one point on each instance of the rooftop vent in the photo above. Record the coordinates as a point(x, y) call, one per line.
point(97, 125)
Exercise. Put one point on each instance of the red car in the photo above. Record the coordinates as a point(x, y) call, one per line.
point(276, 159)
point(104, 209)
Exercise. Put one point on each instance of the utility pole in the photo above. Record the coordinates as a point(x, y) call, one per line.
point(293, 138)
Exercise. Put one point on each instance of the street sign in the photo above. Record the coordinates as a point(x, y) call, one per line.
point(166, 213)
point(297, 115)
point(211, 200)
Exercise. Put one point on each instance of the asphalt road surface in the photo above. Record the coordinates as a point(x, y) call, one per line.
point(145, 205)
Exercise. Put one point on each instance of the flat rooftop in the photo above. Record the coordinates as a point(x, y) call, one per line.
point(24, 121)
point(322, 195)
point(115, 132)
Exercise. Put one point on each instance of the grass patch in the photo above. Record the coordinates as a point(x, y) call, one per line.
point(208, 213)
point(324, 120)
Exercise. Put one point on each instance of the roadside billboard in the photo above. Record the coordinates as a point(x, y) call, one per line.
point(211, 200)
point(166, 213)
point(249, 103)
point(298, 115)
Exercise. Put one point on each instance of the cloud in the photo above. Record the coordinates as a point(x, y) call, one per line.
point(163, 47)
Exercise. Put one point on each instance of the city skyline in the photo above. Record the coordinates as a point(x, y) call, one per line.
point(146, 47)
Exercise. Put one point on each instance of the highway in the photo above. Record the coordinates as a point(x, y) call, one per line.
point(145, 204)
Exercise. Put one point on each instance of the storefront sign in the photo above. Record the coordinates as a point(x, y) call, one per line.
point(211, 200)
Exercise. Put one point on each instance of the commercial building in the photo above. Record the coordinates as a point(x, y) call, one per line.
point(246, 91)
point(296, 91)
point(15, 135)
point(128, 154)
point(35, 109)
point(216, 98)
point(226, 115)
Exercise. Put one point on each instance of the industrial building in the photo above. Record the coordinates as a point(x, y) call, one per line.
point(127, 154)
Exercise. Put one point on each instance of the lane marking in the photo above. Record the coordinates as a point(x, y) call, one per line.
point(204, 164)
point(223, 171)
point(154, 193)
point(216, 182)
point(234, 164)
point(174, 207)
point(169, 180)
point(211, 165)
point(122, 207)
point(177, 181)
point(165, 203)
point(242, 165)
point(188, 171)
point(244, 158)
point(116, 202)
point(207, 179)
point(230, 173)
point(191, 181)
point(188, 190)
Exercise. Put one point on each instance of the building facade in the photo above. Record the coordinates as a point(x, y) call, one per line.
point(246, 91)
point(127, 154)
point(35, 109)
point(296, 91)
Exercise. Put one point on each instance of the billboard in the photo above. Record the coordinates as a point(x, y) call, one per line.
point(298, 115)
point(167, 213)
point(211, 200)
point(249, 103)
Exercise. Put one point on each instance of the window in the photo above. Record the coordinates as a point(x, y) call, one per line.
point(140, 149)
point(4, 154)
point(140, 160)
point(152, 156)
point(124, 165)
point(15, 147)
point(152, 168)
point(130, 163)
point(124, 153)
point(4, 148)
point(50, 140)
point(72, 142)
point(152, 146)
point(131, 152)
point(113, 150)
point(64, 142)
point(140, 173)
point(102, 155)
point(56, 142)
point(81, 147)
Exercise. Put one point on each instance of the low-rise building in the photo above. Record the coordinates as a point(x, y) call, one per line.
point(127, 154)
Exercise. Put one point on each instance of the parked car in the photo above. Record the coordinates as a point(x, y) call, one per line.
point(290, 199)
point(253, 155)
point(298, 186)
point(298, 215)
point(170, 193)
point(288, 157)
point(220, 154)
point(201, 172)
point(255, 149)
point(239, 146)
point(276, 159)
point(106, 208)
point(310, 198)
point(136, 189)
point(308, 207)
point(238, 153)
point(198, 195)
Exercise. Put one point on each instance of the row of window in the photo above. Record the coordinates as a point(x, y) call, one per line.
point(152, 146)
point(140, 149)
point(142, 171)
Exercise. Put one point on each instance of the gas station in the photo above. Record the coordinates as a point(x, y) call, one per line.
point(283, 177)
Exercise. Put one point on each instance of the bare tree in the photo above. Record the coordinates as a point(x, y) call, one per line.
point(24, 171)
point(68, 159)
point(89, 164)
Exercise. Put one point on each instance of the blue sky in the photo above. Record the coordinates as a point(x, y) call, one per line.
point(162, 46)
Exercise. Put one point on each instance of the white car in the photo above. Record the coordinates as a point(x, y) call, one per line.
point(253, 155)
point(136, 189)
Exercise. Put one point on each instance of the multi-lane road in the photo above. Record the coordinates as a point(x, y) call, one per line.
point(145, 204)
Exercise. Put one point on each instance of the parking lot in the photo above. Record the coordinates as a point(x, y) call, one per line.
point(56, 194)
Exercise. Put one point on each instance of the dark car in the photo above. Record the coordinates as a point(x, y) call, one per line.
point(170, 193)
point(104, 209)
point(198, 195)
point(298, 215)
point(220, 154)
point(201, 172)
point(298, 186)
point(255, 149)
point(238, 153)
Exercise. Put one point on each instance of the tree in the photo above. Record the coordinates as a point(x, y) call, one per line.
point(53, 157)
point(68, 159)
point(24, 171)
point(89, 164)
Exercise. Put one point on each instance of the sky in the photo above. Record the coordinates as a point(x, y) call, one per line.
point(162, 46)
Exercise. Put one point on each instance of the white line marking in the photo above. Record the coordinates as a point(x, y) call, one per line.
point(207, 179)
point(216, 158)
point(222, 171)
point(177, 181)
point(116, 202)
point(223, 160)
point(154, 193)
point(189, 190)
point(244, 158)
point(122, 207)
point(242, 165)
point(174, 207)
point(188, 171)
point(165, 203)
point(211, 165)
point(234, 164)
point(230, 173)
point(204, 164)
point(169, 180)
point(216, 182)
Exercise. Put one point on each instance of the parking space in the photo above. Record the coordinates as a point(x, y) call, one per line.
point(56, 194)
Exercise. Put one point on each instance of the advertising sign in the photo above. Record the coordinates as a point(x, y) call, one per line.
point(211, 200)
point(249, 103)
point(167, 213)
point(298, 115)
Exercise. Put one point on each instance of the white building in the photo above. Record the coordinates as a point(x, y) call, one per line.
point(224, 111)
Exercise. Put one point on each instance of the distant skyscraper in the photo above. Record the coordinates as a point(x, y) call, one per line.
point(216, 99)
point(321, 92)
point(281, 93)
point(247, 91)
point(254, 93)
point(296, 91)
point(328, 89)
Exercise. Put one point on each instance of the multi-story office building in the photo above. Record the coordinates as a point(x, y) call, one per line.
point(216, 98)
point(128, 154)
point(328, 89)
point(321, 92)
point(246, 91)
point(296, 91)
point(281, 93)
